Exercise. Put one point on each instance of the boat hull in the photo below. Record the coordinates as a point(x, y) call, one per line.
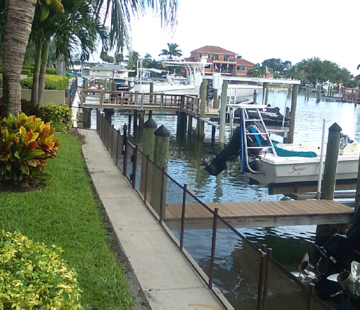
point(275, 169)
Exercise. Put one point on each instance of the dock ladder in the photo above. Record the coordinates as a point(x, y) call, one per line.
point(253, 127)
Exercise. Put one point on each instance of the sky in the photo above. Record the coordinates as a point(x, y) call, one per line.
point(259, 30)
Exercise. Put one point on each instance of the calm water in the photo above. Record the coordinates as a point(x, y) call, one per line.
point(289, 244)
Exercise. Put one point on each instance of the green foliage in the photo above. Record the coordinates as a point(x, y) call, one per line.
point(56, 115)
point(34, 276)
point(26, 143)
point(52, 82)
point(27, 72)
point(51, 71)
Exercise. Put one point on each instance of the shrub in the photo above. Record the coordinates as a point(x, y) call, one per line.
point(26, 143)
point(26, 72)
point(56, 114)
point(27, 108)
point(54, 82)
point(33, 276)
point(51, 71)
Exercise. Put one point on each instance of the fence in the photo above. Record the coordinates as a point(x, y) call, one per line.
point(260, 282)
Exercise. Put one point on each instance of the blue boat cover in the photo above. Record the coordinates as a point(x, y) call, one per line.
point(287, 153)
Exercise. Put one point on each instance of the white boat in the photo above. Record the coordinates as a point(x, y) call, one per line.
point(270, 163)
point(270, 168)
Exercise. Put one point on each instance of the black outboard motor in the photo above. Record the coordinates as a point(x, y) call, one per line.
point(230, 151)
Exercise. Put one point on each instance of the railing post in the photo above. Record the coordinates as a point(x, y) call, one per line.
point(134, 165)
point(117, 147)
point(146, 177)
point(162, 203)
point(124, 150)
point(266, 283)
point(161, 102)
point(213, 244)
point(311, 296)
point(183, 218)
point(112, 141)
point(101, 98)
point(261, 277)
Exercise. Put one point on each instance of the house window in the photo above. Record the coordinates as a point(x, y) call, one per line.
point(226, 58)
point(208, 55)
point(216, 57)
point(200, 55)
point(240, 68)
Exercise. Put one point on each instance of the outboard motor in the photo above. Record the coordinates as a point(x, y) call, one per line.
point(230, 151)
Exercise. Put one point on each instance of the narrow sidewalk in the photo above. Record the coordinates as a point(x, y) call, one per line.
point(165, 276)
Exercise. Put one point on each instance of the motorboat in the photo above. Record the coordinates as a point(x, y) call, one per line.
point(291, 163)
point(267, 162)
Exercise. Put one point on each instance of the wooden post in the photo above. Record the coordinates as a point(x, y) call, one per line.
point(181, 124)
point(161, 156)
point(147, 144)
point(223, 112)
point(266, 93)
point(290, 136)
point(324, 232)
point(318, 93)
point(135, 119)
point(189, 127)
point(200, 124)
point(331, 161)
point(216, 99)
point(255, 96)
point(151, 92)
point(141, 118)
point(150, 114)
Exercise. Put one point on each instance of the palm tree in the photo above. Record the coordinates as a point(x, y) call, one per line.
point(16, 35)
point(171, 51)
point(18, 26)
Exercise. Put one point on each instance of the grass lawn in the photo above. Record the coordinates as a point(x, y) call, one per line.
point(65, 213)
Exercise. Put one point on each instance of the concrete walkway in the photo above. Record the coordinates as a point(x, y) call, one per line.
point(165, 276)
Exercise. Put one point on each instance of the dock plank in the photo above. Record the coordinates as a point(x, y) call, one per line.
point(265, 213)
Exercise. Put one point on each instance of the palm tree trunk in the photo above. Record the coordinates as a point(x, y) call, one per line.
point(16, 36)
point(44, 60)
point(35, 85)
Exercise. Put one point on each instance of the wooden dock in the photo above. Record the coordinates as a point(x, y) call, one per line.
point(262, 213)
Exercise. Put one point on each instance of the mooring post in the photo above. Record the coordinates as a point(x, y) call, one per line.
point(200, 124)
point(318, 93)
point(141, 118)
point(324, 232)
point(161, 156)
point(266, 93)
point(147, 145)
point(290, 136)
point(216, 99)
point(255, 96)
point(223, 112)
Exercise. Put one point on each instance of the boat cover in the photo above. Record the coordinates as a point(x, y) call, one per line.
point(287, 153)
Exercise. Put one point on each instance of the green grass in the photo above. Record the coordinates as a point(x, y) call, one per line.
point(65, 213)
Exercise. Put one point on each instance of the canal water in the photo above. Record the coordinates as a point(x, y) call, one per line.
point(289, 243)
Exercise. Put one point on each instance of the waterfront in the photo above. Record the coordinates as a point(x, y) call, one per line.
point(289, 243)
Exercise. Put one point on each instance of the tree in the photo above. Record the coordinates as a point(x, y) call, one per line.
point(16, 35)
point(171, 51)
point(133, 58)
point(277, 65)
point(119, 14)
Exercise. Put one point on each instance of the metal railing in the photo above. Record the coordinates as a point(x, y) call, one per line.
point(262, 282)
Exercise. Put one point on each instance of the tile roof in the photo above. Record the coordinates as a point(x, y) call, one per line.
point(212, 49)
point(241, 61)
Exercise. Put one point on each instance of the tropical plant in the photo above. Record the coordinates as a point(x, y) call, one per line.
point(171, 51)
point(26, 143)
point(34, 276)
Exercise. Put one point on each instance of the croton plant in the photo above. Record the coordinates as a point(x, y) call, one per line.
point(26, 142)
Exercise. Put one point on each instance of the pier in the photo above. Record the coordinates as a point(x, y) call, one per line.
point(262, 213)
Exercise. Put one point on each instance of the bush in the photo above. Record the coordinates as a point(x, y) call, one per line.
point(34, 276)
point(51, 71)
point(26, 143)
point(26, 72)
point(56, 114)
point(54, 82)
